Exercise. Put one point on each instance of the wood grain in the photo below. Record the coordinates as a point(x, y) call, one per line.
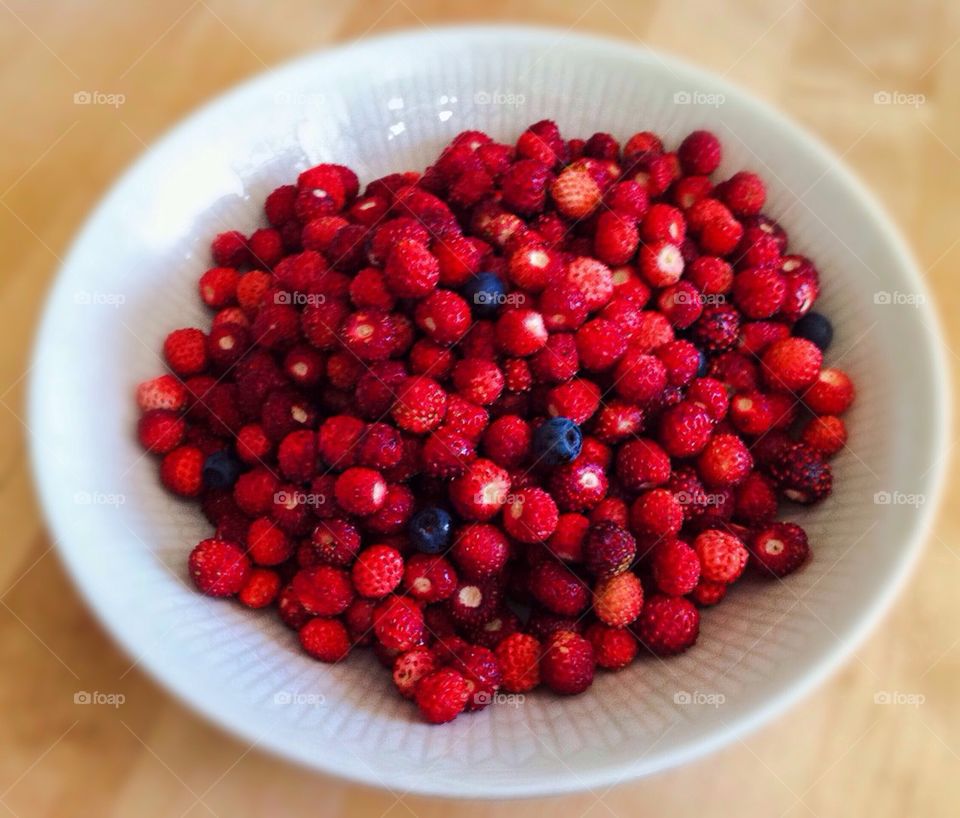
point(837, 753)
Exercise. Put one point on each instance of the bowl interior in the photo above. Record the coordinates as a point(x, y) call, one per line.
point(391, 104)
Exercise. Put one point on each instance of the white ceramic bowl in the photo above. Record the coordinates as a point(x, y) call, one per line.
point(389, 104)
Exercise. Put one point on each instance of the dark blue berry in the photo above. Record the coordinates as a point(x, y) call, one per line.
point(220, 470)
point(816, 328)
point(703, 365)
point(485, 293)
point(557, 441)
point(430, 530)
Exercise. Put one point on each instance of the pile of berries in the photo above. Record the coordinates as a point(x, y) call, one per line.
point(505, 422)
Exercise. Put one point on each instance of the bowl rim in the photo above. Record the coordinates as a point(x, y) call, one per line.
point(613, 773)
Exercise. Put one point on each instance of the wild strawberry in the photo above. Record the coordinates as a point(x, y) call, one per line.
point(521, 332)
point(593, 279)
point(465, 418)
point(600, 344)
point(478, 380)
point(524, 186)
point(578, 486)
point(759, 292)
point(685, 429)
point(616, 238)
point(676, 567)
point(575, 193)
point(681, 304)
point(218, 568)
point(802, 290)
point(410, 667)
point(531, 268)
point(792, 364)
point(722, 556)
point(567, 664)
point(480, 551)
point(480, 492)
point(442, 695)
point(826, 434)
point(779, 549)
point(617, 421)
point(519, 658)
point(229, 249)
point(267, 544)
point(325, 639)
point(709, 593)
point(429, 578)
point(255, 490)
point(446, 454)
point(474, 603)
point(700, 153)
point(613, 648)
point(608, 549)
point(801, 473)
point(751, 413)
point(420, 406)
point(744, 193)
point(661, 263)
point(160, 430)
point(507, 441)
point(682, 360)
point(558, 361)
point(668, 624)
point(689, 190)
point(566, 542)
point(185, 351)
point(377, 571)
point(711, 275)
point(181, 471)
point(725, 461)
point(577, 400)
point(640, 378)
point(831, 393)
point(360, 491)
point(260, 589)
point(398, 623)
point(652, 330)
point(530, 516)
point(412, 271)
point(323, 590)
point(642, 464)
point(755, 500)
point(335, 542)
point(628, 199)
point(717, 329)
point(558, 589)
point(338, 439)
point(655, 514)
point(721, 236)
point(162, 392)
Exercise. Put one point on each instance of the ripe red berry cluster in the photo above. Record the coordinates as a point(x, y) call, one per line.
point(507, 421)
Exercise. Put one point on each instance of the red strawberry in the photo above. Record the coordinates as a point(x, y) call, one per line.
point(668, 624)
point(218, 568)
point(567, 665)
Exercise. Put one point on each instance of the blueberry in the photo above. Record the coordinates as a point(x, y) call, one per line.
point(557, 441)
point(485, 293)
point(220, 470)
point(430, 530)
point(815, 327)
point(703, 365)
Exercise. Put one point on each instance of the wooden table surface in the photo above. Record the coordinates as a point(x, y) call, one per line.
point(837, 753)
